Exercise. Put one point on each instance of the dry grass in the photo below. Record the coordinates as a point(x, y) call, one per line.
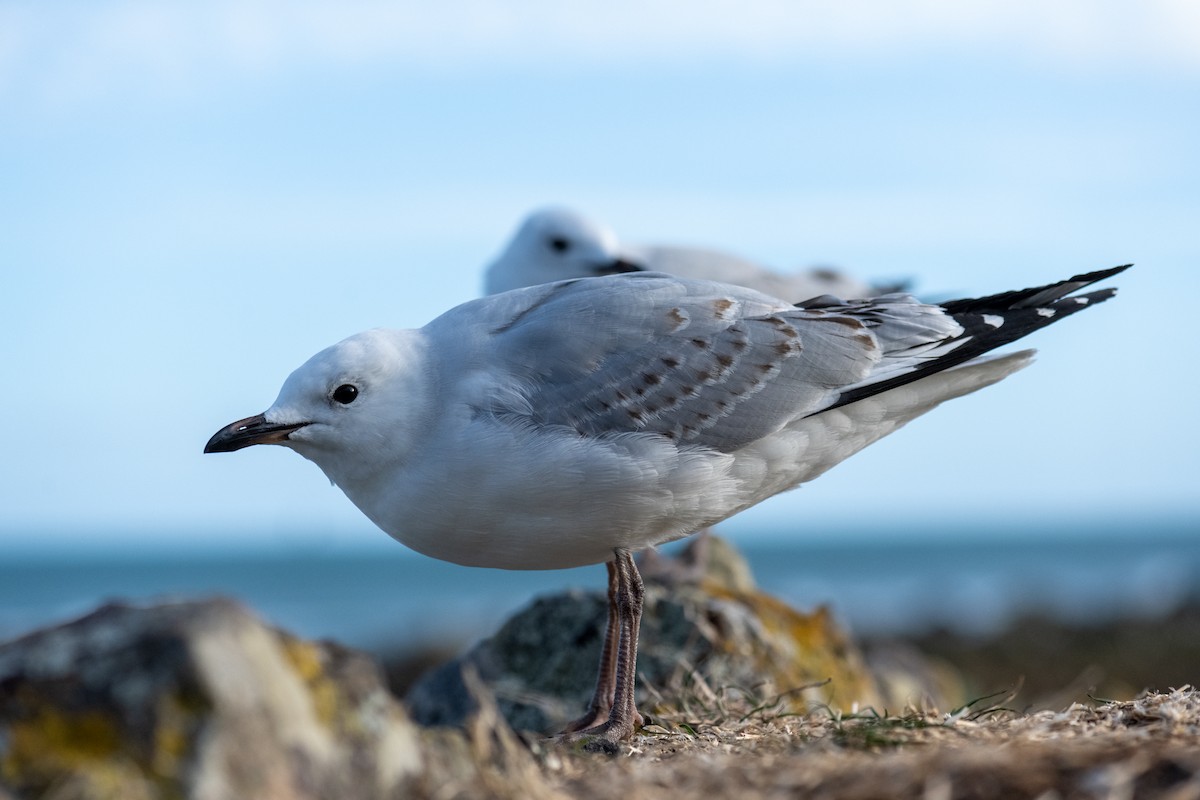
point(732, 743)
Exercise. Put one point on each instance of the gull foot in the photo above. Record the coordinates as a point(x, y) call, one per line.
point(603, 738)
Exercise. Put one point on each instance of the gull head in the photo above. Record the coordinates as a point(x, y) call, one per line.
point(555, 244)
point(353, 408)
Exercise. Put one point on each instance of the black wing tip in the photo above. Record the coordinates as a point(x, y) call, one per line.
point(1098, 275)
point(1065, 306)
point(1087, 278)
point(1052, 294)
point(1022, 312)
point(1094, 296)
point(1033, 297)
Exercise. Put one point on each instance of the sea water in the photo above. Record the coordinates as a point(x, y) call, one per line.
point(387, 597)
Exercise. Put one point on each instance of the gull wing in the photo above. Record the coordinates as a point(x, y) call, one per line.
point(719, 366)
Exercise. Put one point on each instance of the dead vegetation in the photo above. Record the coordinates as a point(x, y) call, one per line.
point(734, 744)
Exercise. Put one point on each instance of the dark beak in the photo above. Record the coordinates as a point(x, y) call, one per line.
point(248, 431)
point(618, 266)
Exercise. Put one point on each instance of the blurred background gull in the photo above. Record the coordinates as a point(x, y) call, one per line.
point(196, 197)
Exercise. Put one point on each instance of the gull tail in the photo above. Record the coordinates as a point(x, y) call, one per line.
point(835, 436)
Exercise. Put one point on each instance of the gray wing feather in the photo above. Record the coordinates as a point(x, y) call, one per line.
point(702, 363)
point(711, 364)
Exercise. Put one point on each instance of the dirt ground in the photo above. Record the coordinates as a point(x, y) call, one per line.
point(1083, 711)
point(728, 747)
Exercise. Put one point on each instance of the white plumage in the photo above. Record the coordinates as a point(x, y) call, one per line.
point(554, 244)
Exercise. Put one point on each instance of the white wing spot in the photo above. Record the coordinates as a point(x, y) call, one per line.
point(995, 320)
point(1046, 312)
point(1083, 301)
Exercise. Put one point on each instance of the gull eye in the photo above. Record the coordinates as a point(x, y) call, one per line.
point(345, 394)
point(559, 244)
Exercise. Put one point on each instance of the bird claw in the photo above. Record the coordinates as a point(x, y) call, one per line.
point(599, 732)
point(604, 738)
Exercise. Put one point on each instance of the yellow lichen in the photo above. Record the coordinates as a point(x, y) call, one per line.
point(174, 728)
point(821, 651)
point(44, 746)
point(71, 739)
point(305, 657)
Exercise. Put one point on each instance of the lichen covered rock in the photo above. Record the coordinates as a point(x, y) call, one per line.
point(202, 700)
point(696, 636)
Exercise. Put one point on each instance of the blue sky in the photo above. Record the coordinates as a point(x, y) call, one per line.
point(195, 198)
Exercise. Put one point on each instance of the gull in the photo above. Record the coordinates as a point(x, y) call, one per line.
point(556, 243)
point(581, 421)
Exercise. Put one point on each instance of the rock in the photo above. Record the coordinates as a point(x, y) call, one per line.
point(705, 557)
point(202, 700)
point(541, 665)
point(911, 679)
point(724, 565)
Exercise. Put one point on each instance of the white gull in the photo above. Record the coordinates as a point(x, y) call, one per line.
point(578, 422)
point(555, 243)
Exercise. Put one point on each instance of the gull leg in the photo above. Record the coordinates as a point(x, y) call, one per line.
point(623, 716)
point(606, 677)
